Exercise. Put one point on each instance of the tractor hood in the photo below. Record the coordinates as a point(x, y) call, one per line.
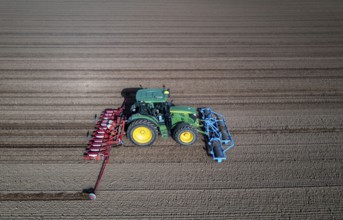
point(183, 109)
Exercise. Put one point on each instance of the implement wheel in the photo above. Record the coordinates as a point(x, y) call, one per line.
point(142, 132)
point(185, 134)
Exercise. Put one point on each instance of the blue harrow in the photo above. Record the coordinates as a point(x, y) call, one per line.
point(219, 139)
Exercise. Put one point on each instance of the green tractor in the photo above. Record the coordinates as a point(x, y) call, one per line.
point(152, 114)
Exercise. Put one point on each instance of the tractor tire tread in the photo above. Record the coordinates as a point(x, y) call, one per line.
point(184, 127)
point(148, 124)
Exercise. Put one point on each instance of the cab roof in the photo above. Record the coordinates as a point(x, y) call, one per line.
point(152, 95)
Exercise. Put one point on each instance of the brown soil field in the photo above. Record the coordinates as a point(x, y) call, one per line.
point(274, 69)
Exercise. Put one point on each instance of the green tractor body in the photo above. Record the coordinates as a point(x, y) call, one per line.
point(152, 115)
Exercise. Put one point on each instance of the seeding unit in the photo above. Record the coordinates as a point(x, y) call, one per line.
point(151, 115)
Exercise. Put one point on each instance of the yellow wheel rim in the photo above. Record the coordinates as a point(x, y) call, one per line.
point(142, 135)
point(186, 137)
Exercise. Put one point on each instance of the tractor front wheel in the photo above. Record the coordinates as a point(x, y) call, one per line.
point(142, 132)
point(185, 134)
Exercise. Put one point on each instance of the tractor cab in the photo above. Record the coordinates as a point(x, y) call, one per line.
point(152, 103)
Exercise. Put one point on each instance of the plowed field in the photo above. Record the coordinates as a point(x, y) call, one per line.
point(274, 69)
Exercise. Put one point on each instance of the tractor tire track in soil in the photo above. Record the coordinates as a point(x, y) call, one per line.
point(273, 70)
point(42, 196)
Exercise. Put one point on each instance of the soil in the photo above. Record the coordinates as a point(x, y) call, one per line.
point(273, 69)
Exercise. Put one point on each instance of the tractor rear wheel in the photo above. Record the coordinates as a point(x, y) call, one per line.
point(142, 132)
point(185, 134)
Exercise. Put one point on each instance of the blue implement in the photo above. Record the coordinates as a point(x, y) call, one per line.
point(219, 139)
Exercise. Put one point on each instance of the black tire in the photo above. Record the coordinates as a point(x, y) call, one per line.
point(182, 132)
point(136, 139)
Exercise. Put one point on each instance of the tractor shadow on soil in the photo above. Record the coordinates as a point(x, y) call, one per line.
point(129, 94)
